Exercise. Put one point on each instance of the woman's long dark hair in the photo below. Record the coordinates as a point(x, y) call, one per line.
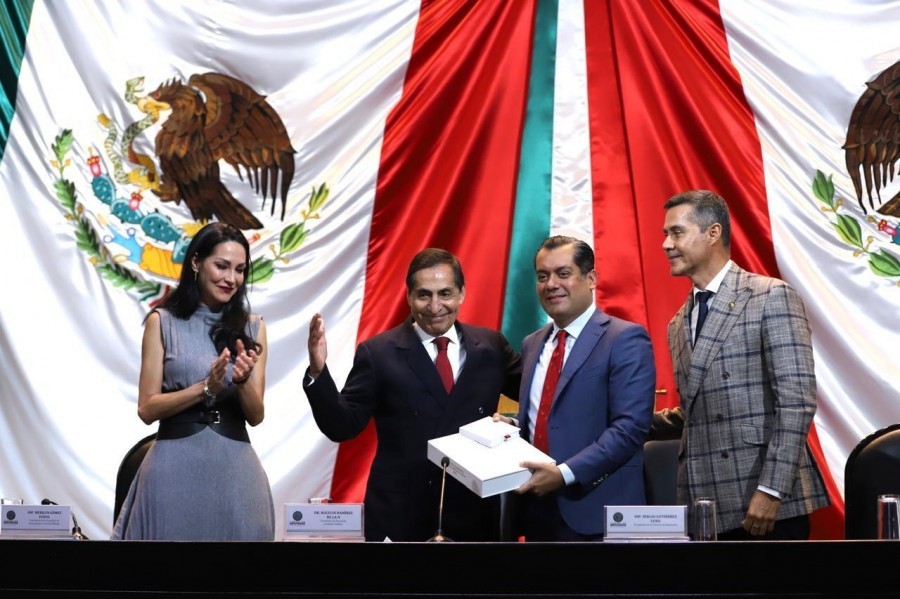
point(185, 298)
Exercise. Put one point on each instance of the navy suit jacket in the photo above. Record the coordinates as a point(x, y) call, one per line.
point(600, 417)
point(394, 381)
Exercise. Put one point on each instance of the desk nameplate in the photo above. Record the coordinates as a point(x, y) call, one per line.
point(338, 521)
point(646, 522)
point(35, 520)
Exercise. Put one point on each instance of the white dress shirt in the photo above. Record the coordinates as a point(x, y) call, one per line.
point(573, 331)
point(455, 351)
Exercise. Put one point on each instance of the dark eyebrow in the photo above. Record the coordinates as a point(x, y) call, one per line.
point(228, 262)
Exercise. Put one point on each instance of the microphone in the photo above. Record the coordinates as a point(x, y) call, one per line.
point(76, 530)
point(439, 534)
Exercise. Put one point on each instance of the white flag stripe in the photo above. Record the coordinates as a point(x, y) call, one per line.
point(804, 65)
point(69, 339)
point(571, 211)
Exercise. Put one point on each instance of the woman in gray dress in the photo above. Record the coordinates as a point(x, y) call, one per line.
point(203, 375)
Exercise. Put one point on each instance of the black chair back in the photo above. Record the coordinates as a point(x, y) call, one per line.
point(128, 469)
point(872, 469)
point(661, 471)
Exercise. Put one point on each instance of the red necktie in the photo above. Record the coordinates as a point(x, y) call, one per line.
point(443, 363)
point(547, 393)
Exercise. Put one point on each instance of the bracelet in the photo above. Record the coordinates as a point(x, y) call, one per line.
point(207, 392)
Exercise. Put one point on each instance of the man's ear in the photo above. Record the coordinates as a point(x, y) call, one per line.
point(714, 233)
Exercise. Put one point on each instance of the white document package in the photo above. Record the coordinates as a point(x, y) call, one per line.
point(490, 433)
point(486, 471)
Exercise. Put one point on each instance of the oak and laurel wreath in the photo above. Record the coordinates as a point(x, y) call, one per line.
point(292, 237)
point(262, 268)
point(85, 237)
point(882, 263)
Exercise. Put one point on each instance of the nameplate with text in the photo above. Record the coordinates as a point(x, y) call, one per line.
point(322, 521)
point(35, 520)
point(646, 522)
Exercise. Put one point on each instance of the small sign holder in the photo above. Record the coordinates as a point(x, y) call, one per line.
point(323, 521)
point(35, 521)
point(646, 523)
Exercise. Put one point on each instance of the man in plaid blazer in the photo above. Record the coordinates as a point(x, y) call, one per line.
point(747, 383)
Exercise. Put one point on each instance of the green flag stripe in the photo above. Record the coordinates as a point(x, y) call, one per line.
point(522, 313)
point(14, 17)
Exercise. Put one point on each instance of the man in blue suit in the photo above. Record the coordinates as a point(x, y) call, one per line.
point(599, 411)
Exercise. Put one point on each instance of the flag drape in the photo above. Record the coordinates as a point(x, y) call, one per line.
point(481, 127)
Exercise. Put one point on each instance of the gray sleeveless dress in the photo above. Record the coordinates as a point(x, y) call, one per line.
point(204, 487)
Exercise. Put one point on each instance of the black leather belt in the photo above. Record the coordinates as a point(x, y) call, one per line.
point(226, 421)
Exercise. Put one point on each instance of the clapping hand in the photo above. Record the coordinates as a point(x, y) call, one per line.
point(243, 364)
point(216, 378)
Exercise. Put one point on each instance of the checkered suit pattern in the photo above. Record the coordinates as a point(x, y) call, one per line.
point(748, 397)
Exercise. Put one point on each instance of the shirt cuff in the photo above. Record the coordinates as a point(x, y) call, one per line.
point(769, 491)
point(567, 475)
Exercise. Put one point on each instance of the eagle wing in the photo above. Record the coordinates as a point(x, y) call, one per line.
point(243, 129)
point(873, 135)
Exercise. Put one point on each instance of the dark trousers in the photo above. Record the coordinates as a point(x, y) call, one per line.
point(789, 529)
point(540, 521)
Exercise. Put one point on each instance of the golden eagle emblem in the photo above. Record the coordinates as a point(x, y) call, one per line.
point(216, 117)
point(873, 140)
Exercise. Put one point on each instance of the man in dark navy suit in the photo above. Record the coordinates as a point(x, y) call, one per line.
point(395, 380)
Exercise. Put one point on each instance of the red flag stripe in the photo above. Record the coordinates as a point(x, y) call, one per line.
point(663, 90)
point(448, 174)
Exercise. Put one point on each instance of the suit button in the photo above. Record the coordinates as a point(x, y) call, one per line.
point(725, 375)
point(725, 454)
point(480, 410)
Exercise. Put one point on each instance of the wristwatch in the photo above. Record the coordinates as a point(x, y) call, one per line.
point(206, 390)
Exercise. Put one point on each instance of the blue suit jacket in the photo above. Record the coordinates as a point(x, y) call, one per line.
point(395, 383)
point(600, 417)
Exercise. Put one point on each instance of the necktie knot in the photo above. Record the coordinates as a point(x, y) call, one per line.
point(442, 343)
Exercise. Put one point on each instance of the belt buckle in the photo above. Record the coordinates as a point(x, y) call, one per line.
point(216, 417)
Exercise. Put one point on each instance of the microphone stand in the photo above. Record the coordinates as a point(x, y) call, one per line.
point(76, 530)
point(439, 534)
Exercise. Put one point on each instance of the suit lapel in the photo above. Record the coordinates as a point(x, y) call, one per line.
point(531, 359)
point(681, 341)
point(421, 365)
point(473, 347)
point(727, 307)
point(590, 335)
